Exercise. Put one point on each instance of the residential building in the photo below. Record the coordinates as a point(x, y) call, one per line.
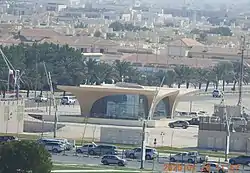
point(217, 53)
point(181, 47)
point(56, 7)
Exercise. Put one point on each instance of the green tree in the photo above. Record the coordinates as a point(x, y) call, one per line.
point(224, 71)
point(97, 33)
point(117, 26)
point(223, 31)
point(24, 156)
point(123, 70)
point(210, 76)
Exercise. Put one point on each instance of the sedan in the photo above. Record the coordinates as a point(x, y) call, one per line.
point(243, 160)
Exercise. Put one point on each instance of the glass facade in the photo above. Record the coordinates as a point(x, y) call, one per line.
point(126, 107)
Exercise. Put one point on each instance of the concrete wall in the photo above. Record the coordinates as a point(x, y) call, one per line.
point(11, 116)
point(80, 119)
point(121, 135)
point(38, 127)
point(217, 140)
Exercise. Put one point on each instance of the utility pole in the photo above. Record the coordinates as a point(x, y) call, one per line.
point(145, 122)
point(48, 75)
point(17, 83)
point(243, 40)
point(228, 122)
point(143, 144)
point(36, 75)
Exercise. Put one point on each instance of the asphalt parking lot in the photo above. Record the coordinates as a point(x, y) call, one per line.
point(160, 164)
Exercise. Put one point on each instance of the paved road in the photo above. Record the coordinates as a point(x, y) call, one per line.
point(210, 98)
point(134, 164)
point(194, 98)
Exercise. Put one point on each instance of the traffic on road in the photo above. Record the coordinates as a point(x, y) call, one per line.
point(65, 152)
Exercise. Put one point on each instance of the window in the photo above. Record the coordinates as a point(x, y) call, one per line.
point(113, 157)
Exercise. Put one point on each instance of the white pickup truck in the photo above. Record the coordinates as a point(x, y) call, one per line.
point(190, 157)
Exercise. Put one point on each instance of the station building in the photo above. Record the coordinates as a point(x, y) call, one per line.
point(126, 101)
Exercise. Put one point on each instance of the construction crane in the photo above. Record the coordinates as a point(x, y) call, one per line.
point(52, 96)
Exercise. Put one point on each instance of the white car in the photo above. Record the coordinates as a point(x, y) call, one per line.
point(55, 147)
point(189, 157)
point(150, 154)
point(217, 93)
point(85, 148)
point(41, 98)
point(67, 100)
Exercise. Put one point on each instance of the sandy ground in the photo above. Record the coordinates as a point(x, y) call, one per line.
point(174, 137)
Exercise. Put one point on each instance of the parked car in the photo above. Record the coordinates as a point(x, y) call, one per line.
point(8, 138)
point(213, 167)
point(217, 93)
point(136, 153)
point(182, 113)
point(189, 157)
point(68, 145)
point(114, 160)
point(202, 113)
point(193, 114)
point(103, 149)
point(238, 122)
point(55, 147)
point(86, 148)
point(194, 121)
point(243, 160)
point(179, 123)
point(67, 100)
point(198, 157)
point(41, 98)
point(14, 96)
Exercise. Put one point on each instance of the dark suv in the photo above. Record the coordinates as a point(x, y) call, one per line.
point(103, 150)
point(179, 123)
point(8, 138)
point(243, 160)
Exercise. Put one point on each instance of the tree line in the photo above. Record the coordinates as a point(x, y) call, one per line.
point(68, 67)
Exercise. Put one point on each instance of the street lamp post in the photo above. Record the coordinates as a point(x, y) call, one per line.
point(162, 138)
point(243, 40)
point(145, 122)
point(143, 144)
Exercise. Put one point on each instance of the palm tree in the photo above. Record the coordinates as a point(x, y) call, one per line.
point(200, 77)
point(90, 65)
point(183, 75)
point(180, 75)
point(210, 76)
point(123, 70)
point(103, 73)
point(224, 71)
point(170, 78)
